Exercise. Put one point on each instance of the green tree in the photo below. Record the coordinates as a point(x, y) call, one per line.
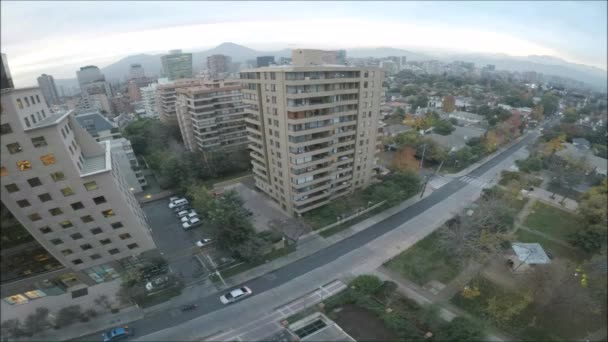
point(68, 315)
point(203, 200)
point(504, 307)
point(443, 127)
point(593, 210)
point(37, 321)
point(410, 90)
point(461, 329)
point(366, 285)
point(421, 102)
point(570, 115)
point(550, 103)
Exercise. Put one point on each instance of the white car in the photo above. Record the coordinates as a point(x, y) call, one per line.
point(191, 223)
point(178, 203)
point(203, 242)
point(189, 215)
point(235, 295)
point(182, 214)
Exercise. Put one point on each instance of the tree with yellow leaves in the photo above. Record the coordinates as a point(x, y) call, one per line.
point(554, 145)
point(405, 159)
point(448, 104)
point(538, 112)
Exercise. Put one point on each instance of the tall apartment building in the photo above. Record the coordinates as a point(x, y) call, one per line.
point(136, 71)
point(49, 90)
point(312, 129)
point(219, 65)
point(212, 115)
point(148, 98)
point(68, 216)
point(6, 80)
point(264, 61)
point(166, 96)
point(177, 64)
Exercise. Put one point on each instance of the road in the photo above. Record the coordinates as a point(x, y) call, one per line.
point(211, 303)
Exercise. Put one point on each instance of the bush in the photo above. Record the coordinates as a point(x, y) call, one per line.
point(68, 315)
point(92, 313)
point(12, 327)
point(37, 321)
point(365, 285)
point(402, 327)
point(461, 329)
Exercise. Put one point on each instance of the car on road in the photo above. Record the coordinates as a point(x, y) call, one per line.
point(203, 242)
point(178, 203)
point(189, 215)
point(236, 295)
point(191, 223)
point(118, 333)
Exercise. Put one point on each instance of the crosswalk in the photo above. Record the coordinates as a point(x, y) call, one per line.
point(438, 181)
point(473, 181)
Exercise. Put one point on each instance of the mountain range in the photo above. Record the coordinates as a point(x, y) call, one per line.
point(594, 77)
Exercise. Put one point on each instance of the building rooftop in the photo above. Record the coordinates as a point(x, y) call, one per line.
point(50, 120)
point(530, 253)
point(97, 164)
point(94, 122)
point(458, 138)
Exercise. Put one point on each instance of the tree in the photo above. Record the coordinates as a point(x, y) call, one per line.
point(420, 102)
point(491, 141)
point(405, 159)
point(443, 127)
point(538, 112)
point(570, 115)
point(504, 307)
point(365, 285)
point(550, 103)
point(566, 172)
point(202, 200)
point(593, 210)
point(461, 329)
point(410, 90)
point(448, 104)
point(37, 321)
point(12, 327)
point(68, 315)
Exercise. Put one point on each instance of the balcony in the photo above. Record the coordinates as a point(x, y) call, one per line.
point(303, 95)
point(310, 189)
point(305, 199)
point(259, 157)
point(260, 173)
point(312, 170)
point(310, 206)
point(315, 180)
point(312, 141)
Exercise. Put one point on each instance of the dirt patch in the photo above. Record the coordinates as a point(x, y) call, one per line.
point(363, 325)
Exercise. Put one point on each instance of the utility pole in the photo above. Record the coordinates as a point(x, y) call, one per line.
point(422, 159)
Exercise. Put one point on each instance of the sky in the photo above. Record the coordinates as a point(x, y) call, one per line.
point(57, 38)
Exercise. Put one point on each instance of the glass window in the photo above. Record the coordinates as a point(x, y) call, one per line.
point(55, 211)
point(99, 200)
point(117, 225)
point(86, 246)
point(24, 165)
point(19, 104)
point(23, 203)
point(95, 256)
point(34, 217)
point(37, 99)
point(34, 182)
point(45, 230)
point(108, 213)
point(39, 141)
point(77, 206)
point(66, 251)
point(96, 231)
point(87, 219)
point(11, 187)
point(27, 122)
point(5, 129)
point(76, 236)
point(90, 186)
point(114, 251)
point(14, 148)
point(56, 242)
point(45, 197)
point(27, 102)
point(3, 171)
point(77, 262)
point(132, 246)
point(66, 224)
point(67, 191)
point(105, 241)
point(57, 176)
point(48, 159)
point(124, 236)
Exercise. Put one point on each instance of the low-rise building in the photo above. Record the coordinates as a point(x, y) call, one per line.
point(466, 117)
point(458, 138)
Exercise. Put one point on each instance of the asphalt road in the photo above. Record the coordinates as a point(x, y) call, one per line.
point(287, 273)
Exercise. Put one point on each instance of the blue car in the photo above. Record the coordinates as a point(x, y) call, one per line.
point(117, 334)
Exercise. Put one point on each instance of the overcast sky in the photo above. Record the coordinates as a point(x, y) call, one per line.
point(58, 37)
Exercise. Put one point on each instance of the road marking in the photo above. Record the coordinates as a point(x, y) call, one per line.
point(473, 181)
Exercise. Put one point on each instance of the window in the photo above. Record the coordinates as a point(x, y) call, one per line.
point(33, 118)
point(23, 203)
point(3, 171)
point(117, 225)
point(108, 213)
point(105, 241)
point(124, 236)
point(77, 262)
point(96, 231)
point(67, 191)
point(132, 246)
point(14, 148)
point(48, 159)
point(66, 251)
point(86, 246)
point(45, 197)
point(76, 236)
point(27, 122)
point(95, 256)
point(45, 230)
point(33, 101)
point(37, 99)
point(56, 242)
point(27, 102)
point(55, 211)
point(34, 182)
point(87, 218)
point(66, 224)
point(77, 206)
point(34, 217)
point(43, 113)
point(39, 116)
point(114, 251)
point(5, 129)
point(70, 148)
point(12, 188)
point(57, 176)
point(19, 104)
point(99, 200)
point(90, 186)
point(24, 165)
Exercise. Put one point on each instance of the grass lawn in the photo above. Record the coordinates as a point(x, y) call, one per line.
point(552, 221)
point(160, 297)
point(327, 214)
point(277, 253)
point(425, 261)
point(339, 228)
point(556, 249)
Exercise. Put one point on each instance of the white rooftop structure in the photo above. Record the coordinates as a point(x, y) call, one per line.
point(530, 253)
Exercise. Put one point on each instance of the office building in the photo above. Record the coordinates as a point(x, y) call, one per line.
point(136, 71)
point(177, 64)
point(69, 217)
point(6, 80)
point(264, 61)
point(89, 74)
point(166, 97)
point(219, 65)
point(341, 57)
point(49, 90)
point(312, 129)
point(211, 115)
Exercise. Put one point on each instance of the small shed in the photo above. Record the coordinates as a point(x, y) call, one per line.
point(527, 255)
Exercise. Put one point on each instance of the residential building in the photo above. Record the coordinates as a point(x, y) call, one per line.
point(68, 216)
point(95, 92)
point(89, 74)
point(390, 67)
point(49, 90)
point(341, 57)
point(284, 61)
point(466, 117)
point(580, 151)
point(121, 103)
point(458, 138)
point(136, 71)
point(264, 61)
point(219, 65)
point(122, 152)
point(166, 96)
point(304, 57)
point(6, 80)
point(177, 64)
point(148, 97)
point(212, 115)
point(312, 129)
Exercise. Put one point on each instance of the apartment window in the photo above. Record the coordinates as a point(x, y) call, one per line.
point(55, 211)
point(70, 148)
point(14, 148)
point(27, 122)
point(96, 231)
point(11, 188)
point(39, 141)
point(43, 113)
point(77, 262)
point(34, 182)
point(23, 203)
point(33, 118)
point(365, 84)
point(3, 171)
point(132, 246)
point(34, 217)
point(48, 159)
point(79, 166)
point(99, 200)
point(57, 176)
point(86, 246)
point(277, 145)
point(117, 225)
point(33, 101)
point(95, 256)
point(108, 213)
point(276, 123)
point(105, 241)
point(77, 206)
point(66, 251)
point(19, 104)
point(24, 165)
point(365, 74)
point(27, 102)
point(37, 99)
point(56, 242)
point(124, 236)
point(5, 129)
point(66, 224)
point(114, 251)
point(45, 230)
point(87, 218)
point(269, 121)
point(67, 191)
point(274, 100)
point(90, 186)
point(76, 236)
point(45, 197)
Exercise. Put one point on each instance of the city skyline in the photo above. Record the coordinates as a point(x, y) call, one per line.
point(505, 27)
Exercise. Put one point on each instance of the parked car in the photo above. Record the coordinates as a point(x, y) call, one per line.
point(182, 213)
point(191, 223)
point(177, 203)
point(235, 295)
point(174, 198)
point(181, 208)
point(118, 333)
point(203, 242)
point(190, 215)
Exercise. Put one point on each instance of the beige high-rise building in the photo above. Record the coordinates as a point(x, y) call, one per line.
point(312, 129)
point(212, 115)
point(68, 217)
point(219, 65)
point(166, 96)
